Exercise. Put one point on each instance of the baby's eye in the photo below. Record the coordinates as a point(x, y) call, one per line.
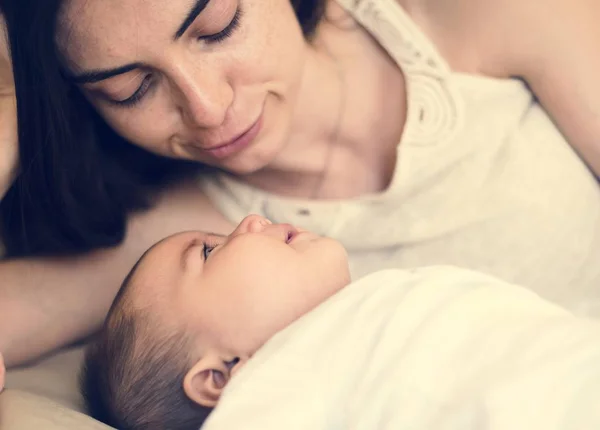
point(232, 363)
point(207, 250)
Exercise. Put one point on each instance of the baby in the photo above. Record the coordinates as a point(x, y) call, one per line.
point(434, 345)
point(193, 310)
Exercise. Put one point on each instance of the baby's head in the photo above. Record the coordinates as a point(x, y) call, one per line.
point(193, 310)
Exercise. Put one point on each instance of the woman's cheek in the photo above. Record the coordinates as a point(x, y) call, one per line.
point(146, 129)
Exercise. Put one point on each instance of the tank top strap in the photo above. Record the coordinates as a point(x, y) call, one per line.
point(394, 29)
point(434, 106)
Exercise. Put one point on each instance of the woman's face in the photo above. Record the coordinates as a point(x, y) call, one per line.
point(208, 80)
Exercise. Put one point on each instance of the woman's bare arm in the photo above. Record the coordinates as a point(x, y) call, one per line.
point(563, 72)
point(48, 303)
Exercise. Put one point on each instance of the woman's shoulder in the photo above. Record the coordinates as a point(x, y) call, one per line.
point(488, 37)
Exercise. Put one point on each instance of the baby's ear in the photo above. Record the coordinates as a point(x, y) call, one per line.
point(205, 381)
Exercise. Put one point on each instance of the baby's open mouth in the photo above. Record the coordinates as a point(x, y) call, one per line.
point(290, 236)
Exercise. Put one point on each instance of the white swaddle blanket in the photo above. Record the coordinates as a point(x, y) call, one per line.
point(433, 348)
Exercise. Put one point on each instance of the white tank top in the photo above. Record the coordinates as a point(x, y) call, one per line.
point(483, 180)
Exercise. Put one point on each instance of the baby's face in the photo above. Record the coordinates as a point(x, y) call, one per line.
point(235, 292)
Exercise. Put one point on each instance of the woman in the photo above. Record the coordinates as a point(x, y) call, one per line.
point(392, 126)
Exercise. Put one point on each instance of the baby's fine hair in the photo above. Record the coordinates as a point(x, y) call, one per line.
point(132, 377)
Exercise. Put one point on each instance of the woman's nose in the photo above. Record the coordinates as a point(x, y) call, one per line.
point(204, 102)
point(252, 224)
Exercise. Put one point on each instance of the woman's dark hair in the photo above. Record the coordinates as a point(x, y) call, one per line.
point(78, 179)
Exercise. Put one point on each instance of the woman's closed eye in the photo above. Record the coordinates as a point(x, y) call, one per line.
point(149, 81)
point(138, 94)
point(226, 32)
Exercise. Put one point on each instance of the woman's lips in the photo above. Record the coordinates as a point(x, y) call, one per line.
point(242, 141)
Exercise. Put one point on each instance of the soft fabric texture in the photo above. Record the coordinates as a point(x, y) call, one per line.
point(483, 180)
point(435, 348)
point(25, 411)
point(45, 396)
point(54, 377)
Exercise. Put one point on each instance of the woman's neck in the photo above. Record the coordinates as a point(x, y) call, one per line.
point(348, 119)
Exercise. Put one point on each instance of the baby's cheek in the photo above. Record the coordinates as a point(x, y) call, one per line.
point(256, 326)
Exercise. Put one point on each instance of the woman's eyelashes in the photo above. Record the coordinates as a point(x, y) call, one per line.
point(137, 95)
point(148, 81)
point(226, 32)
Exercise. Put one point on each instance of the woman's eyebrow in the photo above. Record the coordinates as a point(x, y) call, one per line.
point(192, 15)
point(93, 76)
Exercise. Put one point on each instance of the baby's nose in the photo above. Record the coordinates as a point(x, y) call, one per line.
point(253, 224)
